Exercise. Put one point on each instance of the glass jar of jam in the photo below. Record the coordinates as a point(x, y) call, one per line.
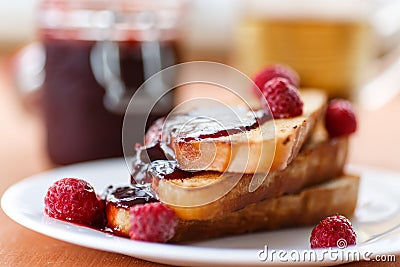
point(98, 53)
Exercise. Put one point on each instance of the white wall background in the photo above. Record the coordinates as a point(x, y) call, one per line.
point(210, 22)
point(17, 20)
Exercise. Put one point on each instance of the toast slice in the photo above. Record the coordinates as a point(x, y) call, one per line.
point(306, 207)
point(210, 194)
point(272, 146)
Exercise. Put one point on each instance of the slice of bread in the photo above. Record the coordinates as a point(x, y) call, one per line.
point(338, 196)
point(210, 194)
point(272, 146)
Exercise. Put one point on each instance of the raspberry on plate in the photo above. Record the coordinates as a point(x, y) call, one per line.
point(333, 231)
point(274, 71)
point(340, 118)
point(153, 222)
point(74, 200)
point(283, 98)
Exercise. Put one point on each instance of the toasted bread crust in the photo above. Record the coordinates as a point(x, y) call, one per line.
point(304, 208)
point(316, 163)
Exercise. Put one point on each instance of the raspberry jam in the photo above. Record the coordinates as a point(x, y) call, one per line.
point(144, 156)
point(168, 169)
point(213, 122)
point(128, 196)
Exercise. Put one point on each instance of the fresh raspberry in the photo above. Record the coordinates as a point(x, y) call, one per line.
point(153, 222)
point(340, 118)
point(283, 98)
point(154, 132)
point(274, 71)
point(333, 231)
point(74, 200)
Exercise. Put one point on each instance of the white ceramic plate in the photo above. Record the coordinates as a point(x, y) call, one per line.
point(378, 211)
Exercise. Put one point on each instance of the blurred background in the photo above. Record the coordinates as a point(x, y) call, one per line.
point(67, 68)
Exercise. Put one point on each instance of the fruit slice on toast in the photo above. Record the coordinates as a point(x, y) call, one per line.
point(272, 146)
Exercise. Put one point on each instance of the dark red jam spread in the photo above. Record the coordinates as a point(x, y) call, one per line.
point(213, 122)
point(144, 156)
point(168, 169)
point(151, 161)
point(128, 196)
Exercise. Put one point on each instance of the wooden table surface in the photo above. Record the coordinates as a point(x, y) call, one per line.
point(22, 153)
